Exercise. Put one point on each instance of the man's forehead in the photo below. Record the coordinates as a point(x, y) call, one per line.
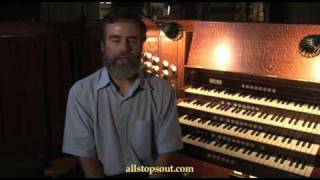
point(122, 25)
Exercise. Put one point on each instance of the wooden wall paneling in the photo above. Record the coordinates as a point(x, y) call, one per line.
point(4, 85)
point(10, 89)
point(54, 87)
point(40, 63)
point(151, 45)
point(241, 44)
point(1, 103)
point(69, 73)
point(92, 50)
point(201, 168)
point(35, 108)
point(168, 50)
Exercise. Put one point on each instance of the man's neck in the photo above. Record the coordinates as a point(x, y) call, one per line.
point(123, 84)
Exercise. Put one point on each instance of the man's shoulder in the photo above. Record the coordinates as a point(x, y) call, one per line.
point(157, 84)
point(156, 81)
point(86, 84)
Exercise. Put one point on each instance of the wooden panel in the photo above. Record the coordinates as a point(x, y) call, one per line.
point(175, 52)
point(187, 25)
point(254, 48)
point(202, 169)
point(151, 45)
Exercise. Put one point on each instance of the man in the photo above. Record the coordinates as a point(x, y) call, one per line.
point(119, 116)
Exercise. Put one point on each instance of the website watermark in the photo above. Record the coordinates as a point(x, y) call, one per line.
point(133, 168)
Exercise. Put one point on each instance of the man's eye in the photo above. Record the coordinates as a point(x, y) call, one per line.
point(115, 40)
point(132, 40)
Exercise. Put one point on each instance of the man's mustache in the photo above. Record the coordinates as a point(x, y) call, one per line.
point(126, 55)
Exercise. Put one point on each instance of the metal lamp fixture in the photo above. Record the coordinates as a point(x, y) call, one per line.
point(309, 46)
point(172, 30)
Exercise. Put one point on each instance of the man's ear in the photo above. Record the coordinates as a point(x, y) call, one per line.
point(102, 46)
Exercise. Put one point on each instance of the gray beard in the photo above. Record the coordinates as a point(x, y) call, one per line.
point(127, 71)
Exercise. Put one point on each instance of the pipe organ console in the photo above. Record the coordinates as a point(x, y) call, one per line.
point(250, 123)
point(254, 109)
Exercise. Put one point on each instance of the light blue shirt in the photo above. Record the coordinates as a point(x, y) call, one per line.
point(121, 130)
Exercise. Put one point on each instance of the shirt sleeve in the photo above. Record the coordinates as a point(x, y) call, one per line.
point(78, 136)
point(169, 130)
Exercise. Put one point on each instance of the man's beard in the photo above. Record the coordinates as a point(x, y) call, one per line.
point(129, 67)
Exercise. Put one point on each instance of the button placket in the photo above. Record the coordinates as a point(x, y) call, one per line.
point(124, 132)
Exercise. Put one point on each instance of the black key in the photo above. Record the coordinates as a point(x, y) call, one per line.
point(309, 145)
point(253, 132)
point(253, 113)
point(309, 125)
point(248, 112)
point(258, 133)
point(290, 121)
point(275, 137)
point(268, 156)
point(284, 139)
point(304, 123)
point(245, 150)
point(261, 115)
point(235, 109)
point(265, 116)
point(274, 116)
point(245, 111)
point(315, 125)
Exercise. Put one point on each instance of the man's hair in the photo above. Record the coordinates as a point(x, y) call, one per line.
point(124, 13)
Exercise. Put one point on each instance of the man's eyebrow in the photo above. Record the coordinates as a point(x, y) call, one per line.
point(118, 36)
point(114, 36)
point(135, 37)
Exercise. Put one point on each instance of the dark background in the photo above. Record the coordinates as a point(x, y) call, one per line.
point(278, 12)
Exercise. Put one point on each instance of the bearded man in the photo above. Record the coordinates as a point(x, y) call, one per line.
point(120, 116)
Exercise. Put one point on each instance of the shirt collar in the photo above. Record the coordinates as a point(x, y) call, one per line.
point(104, 80)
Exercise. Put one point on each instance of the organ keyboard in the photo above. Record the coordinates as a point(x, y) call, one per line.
point(229, 129)
point(277, 161)
point(265, 126)
point(255, 99)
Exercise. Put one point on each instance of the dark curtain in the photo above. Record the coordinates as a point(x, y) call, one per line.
point(36, 74)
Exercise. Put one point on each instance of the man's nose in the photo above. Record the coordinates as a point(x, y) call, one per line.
point(125, 47)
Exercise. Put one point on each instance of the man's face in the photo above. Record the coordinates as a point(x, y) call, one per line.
point(122, 49)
